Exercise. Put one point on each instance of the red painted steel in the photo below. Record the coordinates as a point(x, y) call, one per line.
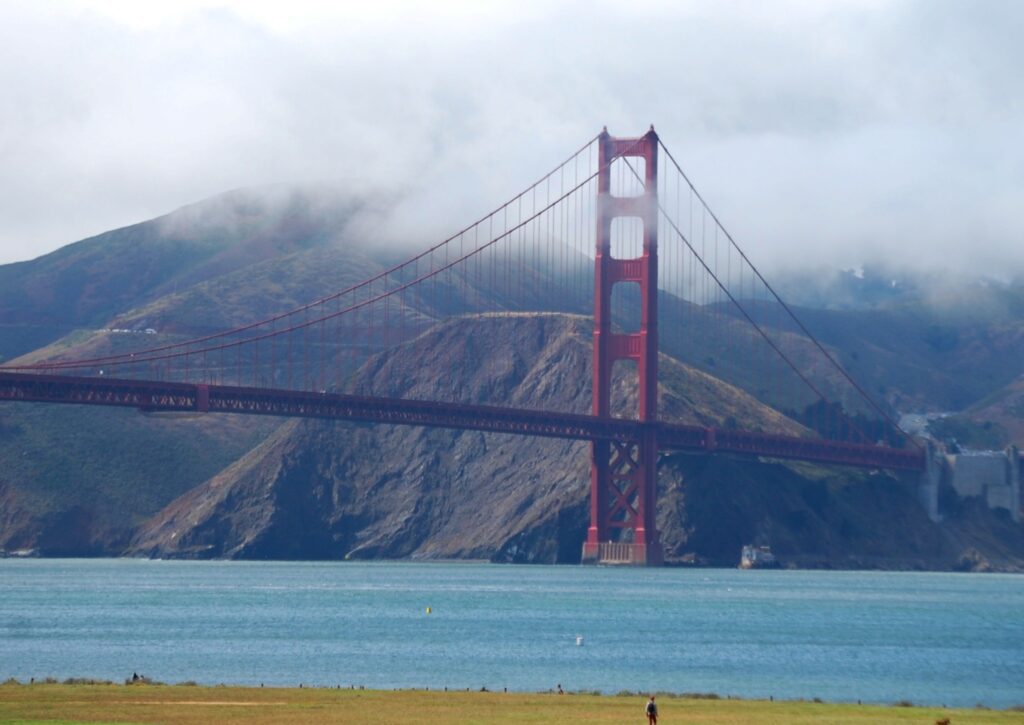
point(164, 396)
point(613, 432)
point(623, 451)
point(623, 479)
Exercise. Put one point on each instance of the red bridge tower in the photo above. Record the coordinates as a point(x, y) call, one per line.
point(623, 477)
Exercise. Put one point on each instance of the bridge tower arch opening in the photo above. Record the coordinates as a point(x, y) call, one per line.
point(623, 475)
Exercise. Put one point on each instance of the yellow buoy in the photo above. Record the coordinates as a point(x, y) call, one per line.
point(428, 610)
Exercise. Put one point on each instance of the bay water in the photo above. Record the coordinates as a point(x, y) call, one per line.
point(931, 638)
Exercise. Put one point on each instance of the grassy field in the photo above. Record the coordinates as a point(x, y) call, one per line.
point(224, 705)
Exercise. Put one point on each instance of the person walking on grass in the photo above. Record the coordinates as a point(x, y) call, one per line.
point(652, 712)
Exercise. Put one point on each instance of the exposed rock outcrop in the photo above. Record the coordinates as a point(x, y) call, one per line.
point(335, 490)
point(330, 490)
point(817, 517)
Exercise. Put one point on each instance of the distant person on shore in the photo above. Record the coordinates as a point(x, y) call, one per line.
point(652, 712)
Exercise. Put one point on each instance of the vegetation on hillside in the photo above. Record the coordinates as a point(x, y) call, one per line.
point(917, 343)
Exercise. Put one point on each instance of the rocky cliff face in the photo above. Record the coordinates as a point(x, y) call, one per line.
point(816, 517)
point(76, 481)
point(336, 490)
point(327, 490)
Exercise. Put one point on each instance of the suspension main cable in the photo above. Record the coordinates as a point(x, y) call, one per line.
point(430, 274)
point(112, 359)
point(842, 371)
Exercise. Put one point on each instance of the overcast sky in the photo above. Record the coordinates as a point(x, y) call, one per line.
point(838, 132)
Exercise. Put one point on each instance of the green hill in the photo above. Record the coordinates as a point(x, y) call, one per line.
point(88, 283)
point(79, 480)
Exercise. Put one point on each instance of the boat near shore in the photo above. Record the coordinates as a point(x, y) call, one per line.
point(19, 554)
point(758, 557)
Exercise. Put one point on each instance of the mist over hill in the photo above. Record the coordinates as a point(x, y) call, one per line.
point(88, 481)
point(87, 284)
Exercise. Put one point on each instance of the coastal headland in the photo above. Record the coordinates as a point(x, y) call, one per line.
point(148, 703)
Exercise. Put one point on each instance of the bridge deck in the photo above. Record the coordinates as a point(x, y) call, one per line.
point(166, 396)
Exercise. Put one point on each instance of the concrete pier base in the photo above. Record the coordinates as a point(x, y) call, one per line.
point(623, 553)
point(992, 476)
point(929, 482)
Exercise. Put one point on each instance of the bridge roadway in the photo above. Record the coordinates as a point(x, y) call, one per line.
point(150, 395)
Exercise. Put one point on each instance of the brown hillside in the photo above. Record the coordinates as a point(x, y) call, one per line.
point(335, 490)
point(332, 490)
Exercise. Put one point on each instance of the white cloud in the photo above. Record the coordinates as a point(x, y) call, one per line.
point(836, 130)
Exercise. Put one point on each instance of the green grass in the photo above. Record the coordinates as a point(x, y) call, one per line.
point(227, 705)
point(102, 470)
point(967, 432)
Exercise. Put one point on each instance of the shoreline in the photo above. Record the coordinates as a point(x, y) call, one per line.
point(750, 635)
point(899, 566)
point(146, 682)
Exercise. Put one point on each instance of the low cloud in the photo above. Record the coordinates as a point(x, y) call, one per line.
point(838, 133)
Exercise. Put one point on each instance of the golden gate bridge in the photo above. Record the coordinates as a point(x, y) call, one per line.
point(618, 231)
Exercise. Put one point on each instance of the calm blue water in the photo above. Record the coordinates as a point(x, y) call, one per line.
point(955, 639)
